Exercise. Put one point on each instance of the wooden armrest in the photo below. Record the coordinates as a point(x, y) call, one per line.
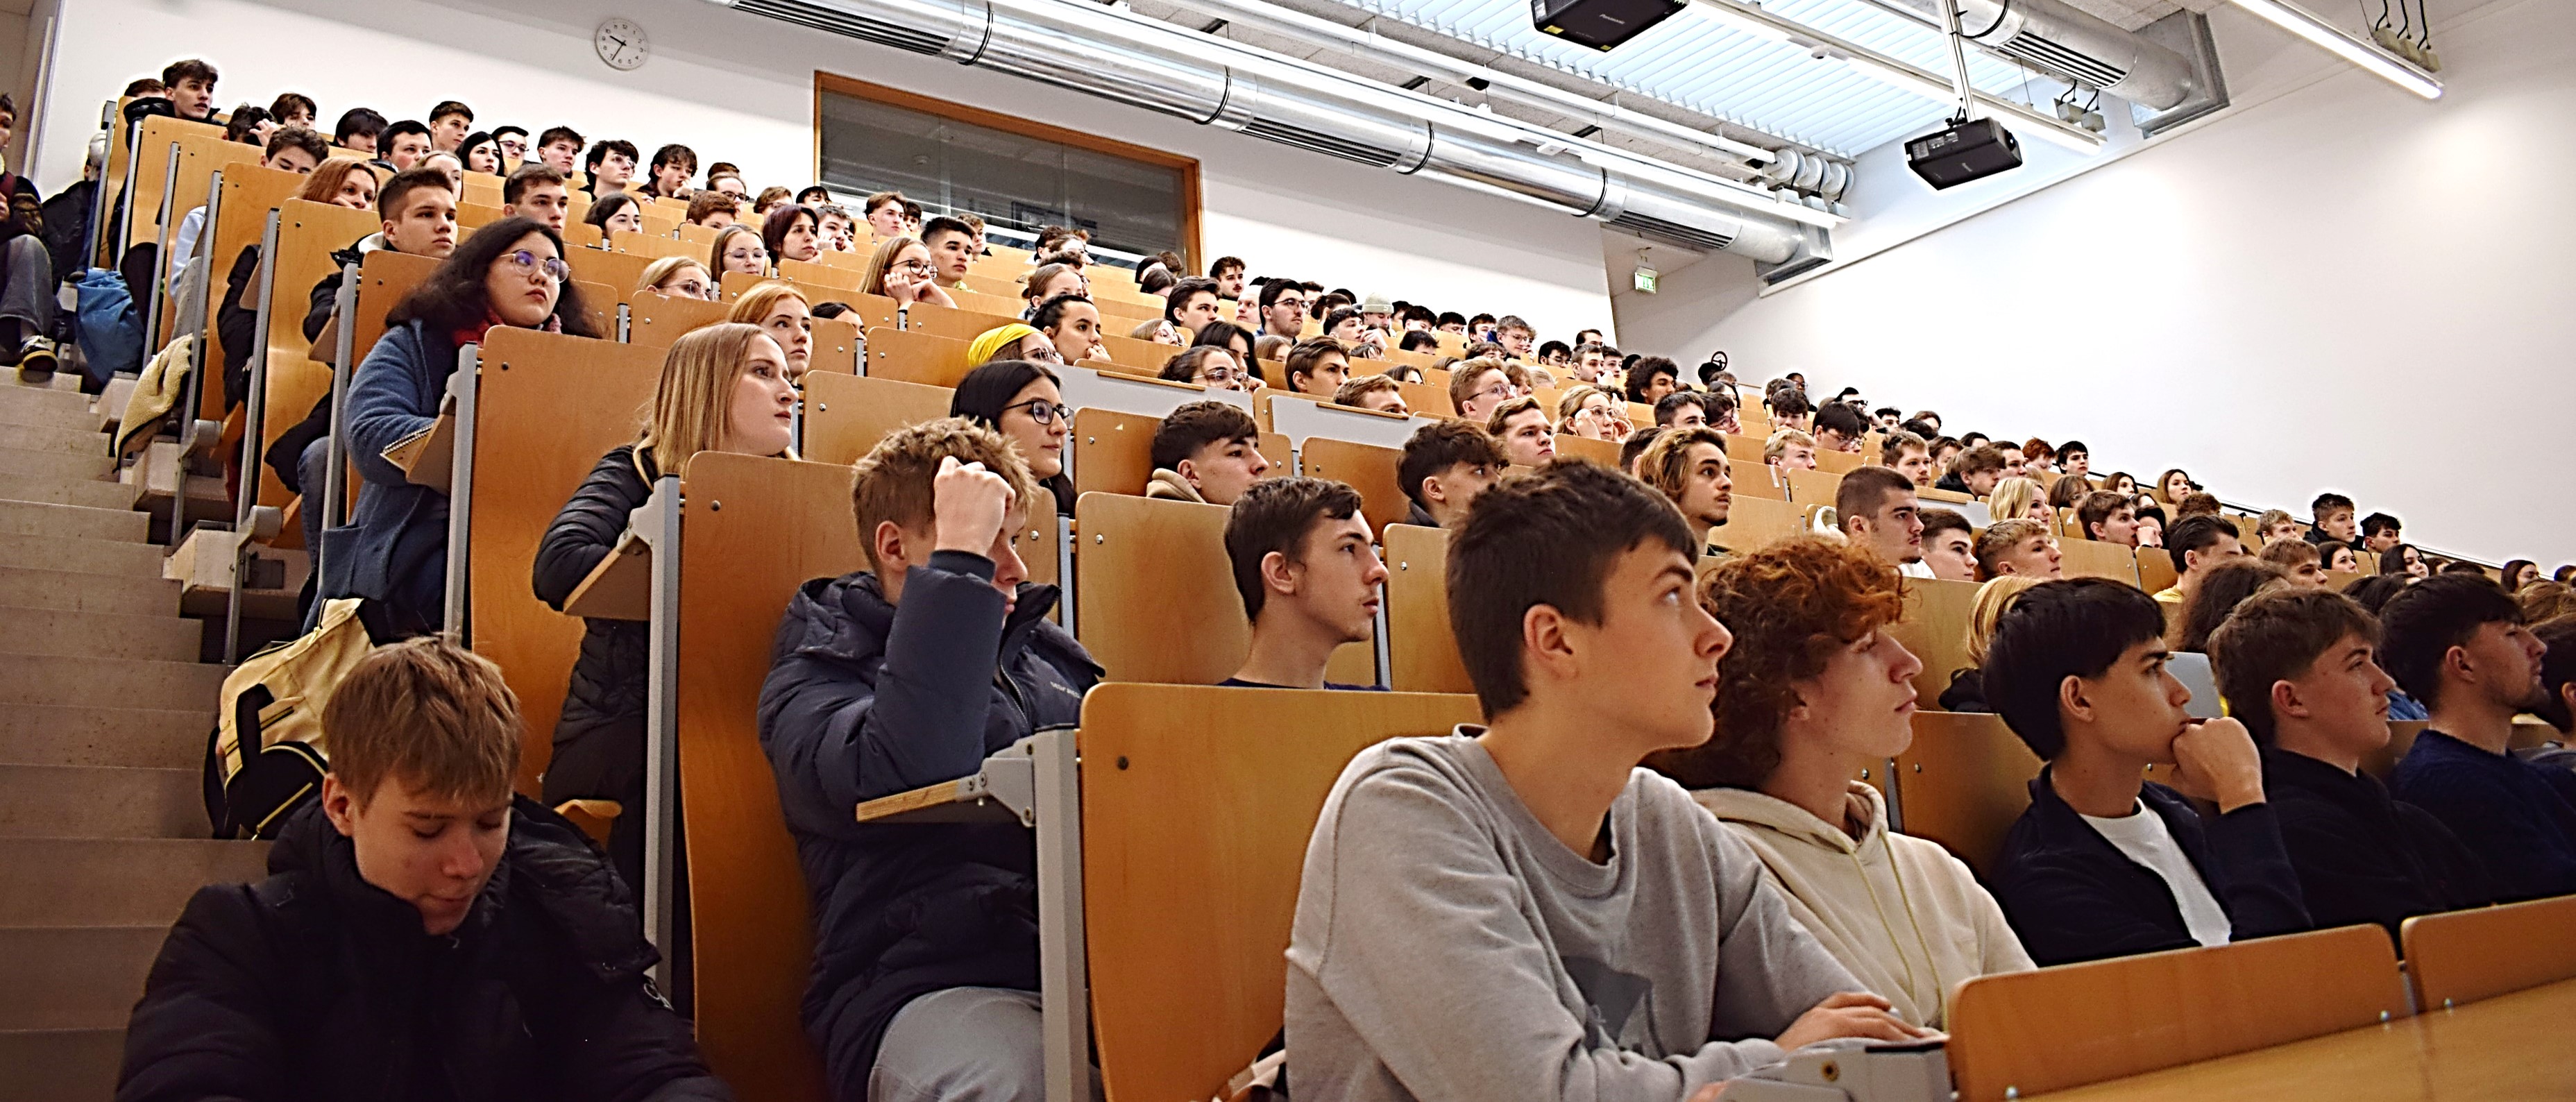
point(594, 817)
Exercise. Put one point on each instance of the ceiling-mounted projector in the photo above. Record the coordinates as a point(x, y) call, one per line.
point(1600, 24)
point(1962, 152)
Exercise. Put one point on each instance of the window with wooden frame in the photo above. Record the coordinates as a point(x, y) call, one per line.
point(1011, 172)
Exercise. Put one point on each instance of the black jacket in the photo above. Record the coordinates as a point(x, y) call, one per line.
point(2074, 896)
point(314, 984)
point(1952, 483)
point(2362, 856)
point(326, 294)
point(608, 679)
point(866, 699)
point(237, 329)
point(1966, 692)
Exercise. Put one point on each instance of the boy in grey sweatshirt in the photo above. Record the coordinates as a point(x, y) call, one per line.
point(1520, 912)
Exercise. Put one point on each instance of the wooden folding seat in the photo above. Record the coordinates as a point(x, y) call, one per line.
point(1815, 487)
point(974, 301)
point(655, 320)
point(1963, 782)
point(1744, 449)
point(994, 286)
point(1603, 452)
point(916, 356)
point(482, 188)
point(623, 271)
point(1422, 654)
point(250, 195)
point(1838, 463)
point(298, 373)
point(700, 238)
point(1248, 770)
point(1753, 523)
point(964, 325)
point(385, 278)
point(1155, 598)
point(2155, 569)
point(659, 221)
point(1301, 417)
point(845, 415)
point(1368, 468)
point(753, 530)
point(1113, 452)
point(1146, 356)
point(2464, 956)
point(810, 274)
point(547, 406)
point(653, 245)
point(197, 149)
point(474, 216)
point(582, 235)
point(2096, 559)
point(2022, 1034)
point(1935, 628)
point(1120, 314)
point(1942, 497)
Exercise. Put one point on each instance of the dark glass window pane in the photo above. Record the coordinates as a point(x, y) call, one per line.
point(1008, 179)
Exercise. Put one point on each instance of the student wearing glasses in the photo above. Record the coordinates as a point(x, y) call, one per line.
point(678, 277)
point(512, 141)
point(394, 549)
point(1477, 386)
point(1208, 366)
point(901, 269)
point(1019, 399)
point(1591, 413)
point(1016, 341)
point(738, 249)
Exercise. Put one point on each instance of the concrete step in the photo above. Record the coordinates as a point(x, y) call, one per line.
point(48, 439)
point(48, 587)
point(73, 555)
point(16, 463)
point(116, 881)
point(16, 392)
point(47, 409)
point(61, 1065)
point(74, 977)
point(100, 635)
point(37, 518)
point(62, 380)
point(108, 682)
point(88, 493)
point(90, 801)
point(60, 734)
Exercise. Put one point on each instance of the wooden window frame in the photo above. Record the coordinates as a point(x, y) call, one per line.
point(1188, 167)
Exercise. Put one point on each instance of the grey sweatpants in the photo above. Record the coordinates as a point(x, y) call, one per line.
point(964, 1044)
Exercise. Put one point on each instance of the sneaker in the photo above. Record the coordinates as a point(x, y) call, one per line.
point(36, 361)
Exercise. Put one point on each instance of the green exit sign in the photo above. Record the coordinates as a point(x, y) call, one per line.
point(1646, 278)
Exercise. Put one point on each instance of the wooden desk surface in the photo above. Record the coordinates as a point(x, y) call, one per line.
point(2509, 1047)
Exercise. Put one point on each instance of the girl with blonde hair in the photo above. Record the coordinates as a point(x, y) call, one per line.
point(738, 249)
point(2022, 498)
point(781, 311)
point(332, 183)
point(1967, 689)
point(723, 388)
point(901, 269)
point(678, 277)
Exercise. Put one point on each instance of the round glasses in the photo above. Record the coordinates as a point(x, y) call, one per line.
point(525, 262)
point(1042, 411)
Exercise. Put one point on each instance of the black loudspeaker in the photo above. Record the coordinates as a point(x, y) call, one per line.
point(1963, 151)
point(1600, 24)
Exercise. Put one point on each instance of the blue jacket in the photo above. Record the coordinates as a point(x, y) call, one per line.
point(394, 548)
point(866, 699)
point(2516, 816)
point(2073, 896)
point(2361, 856)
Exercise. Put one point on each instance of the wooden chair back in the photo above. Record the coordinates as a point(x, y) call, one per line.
point(1426, 400)
point(1935, 628)
point(1422, 654)
point(835, 347)
point(1963, 782)
point(655, 320)
point(200, 150)
point(963, 325)
point(2096, 559)
point(385, 278)
point(250, 195)
point(915, 356)
point(471, 216)
point(2030, 1033)
point(1155, 597)
point(1113, 451)
point(307, 234)
point(1248, 769)
point(652, 246)
point(845, 415)
point(2155, 566)
point(1753, 522)
point(1603, 452)
point(814, 273)
point(623, 271)
point(2464, 956)
point(753, 530)
point(1368, 468)
point(546, 408)
point(1760, 480)
point(1811, 487)
point(979, 301)
point(1839, 463)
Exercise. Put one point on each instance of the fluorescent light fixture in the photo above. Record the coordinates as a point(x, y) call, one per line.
point(2305, 24)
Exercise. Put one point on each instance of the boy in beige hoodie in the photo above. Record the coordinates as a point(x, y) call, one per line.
point(1814, 690)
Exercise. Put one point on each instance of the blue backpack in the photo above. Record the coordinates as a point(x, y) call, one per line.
point(110, 331)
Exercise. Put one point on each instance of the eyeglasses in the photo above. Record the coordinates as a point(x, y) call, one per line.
point(1042, 411)
point(1044, 356)
point(917, 267)
point(1218, 376)
point(525, 262)
point(1499, 391)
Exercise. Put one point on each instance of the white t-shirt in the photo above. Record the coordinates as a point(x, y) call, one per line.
point(2141, 834)
point(1916, 569)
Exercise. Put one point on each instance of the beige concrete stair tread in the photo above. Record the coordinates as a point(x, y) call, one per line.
point(116, 881)
point(74, 977)
point(48, 410)
point(58, 734)
point(112, 682)
point(31, 463)
point(74, 555)
point(48, 439)
point(86, 492)
point(92, 801)
point(103, 635)
point(36, 518)
point(46, 587)
point(60, 1065)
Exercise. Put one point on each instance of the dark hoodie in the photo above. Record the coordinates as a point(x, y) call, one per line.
point(314, 984)
point(866, 699)
point(2362, 856)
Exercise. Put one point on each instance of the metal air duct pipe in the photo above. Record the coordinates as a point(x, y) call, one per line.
point(1165, 68)
point(2062, 39)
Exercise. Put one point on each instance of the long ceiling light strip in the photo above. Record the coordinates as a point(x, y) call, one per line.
point(2342, 43)
point(1904, 75)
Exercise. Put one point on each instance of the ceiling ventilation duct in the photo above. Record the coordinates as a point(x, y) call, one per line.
point(1165, 68)
point(2062, 39)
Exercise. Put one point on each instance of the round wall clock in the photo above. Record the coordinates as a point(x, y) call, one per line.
point(621, 44)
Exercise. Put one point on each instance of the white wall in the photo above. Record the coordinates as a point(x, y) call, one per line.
point(2339, 286)
point(739, 87)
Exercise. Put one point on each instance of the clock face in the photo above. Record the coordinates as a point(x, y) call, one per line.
point(621, 44)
